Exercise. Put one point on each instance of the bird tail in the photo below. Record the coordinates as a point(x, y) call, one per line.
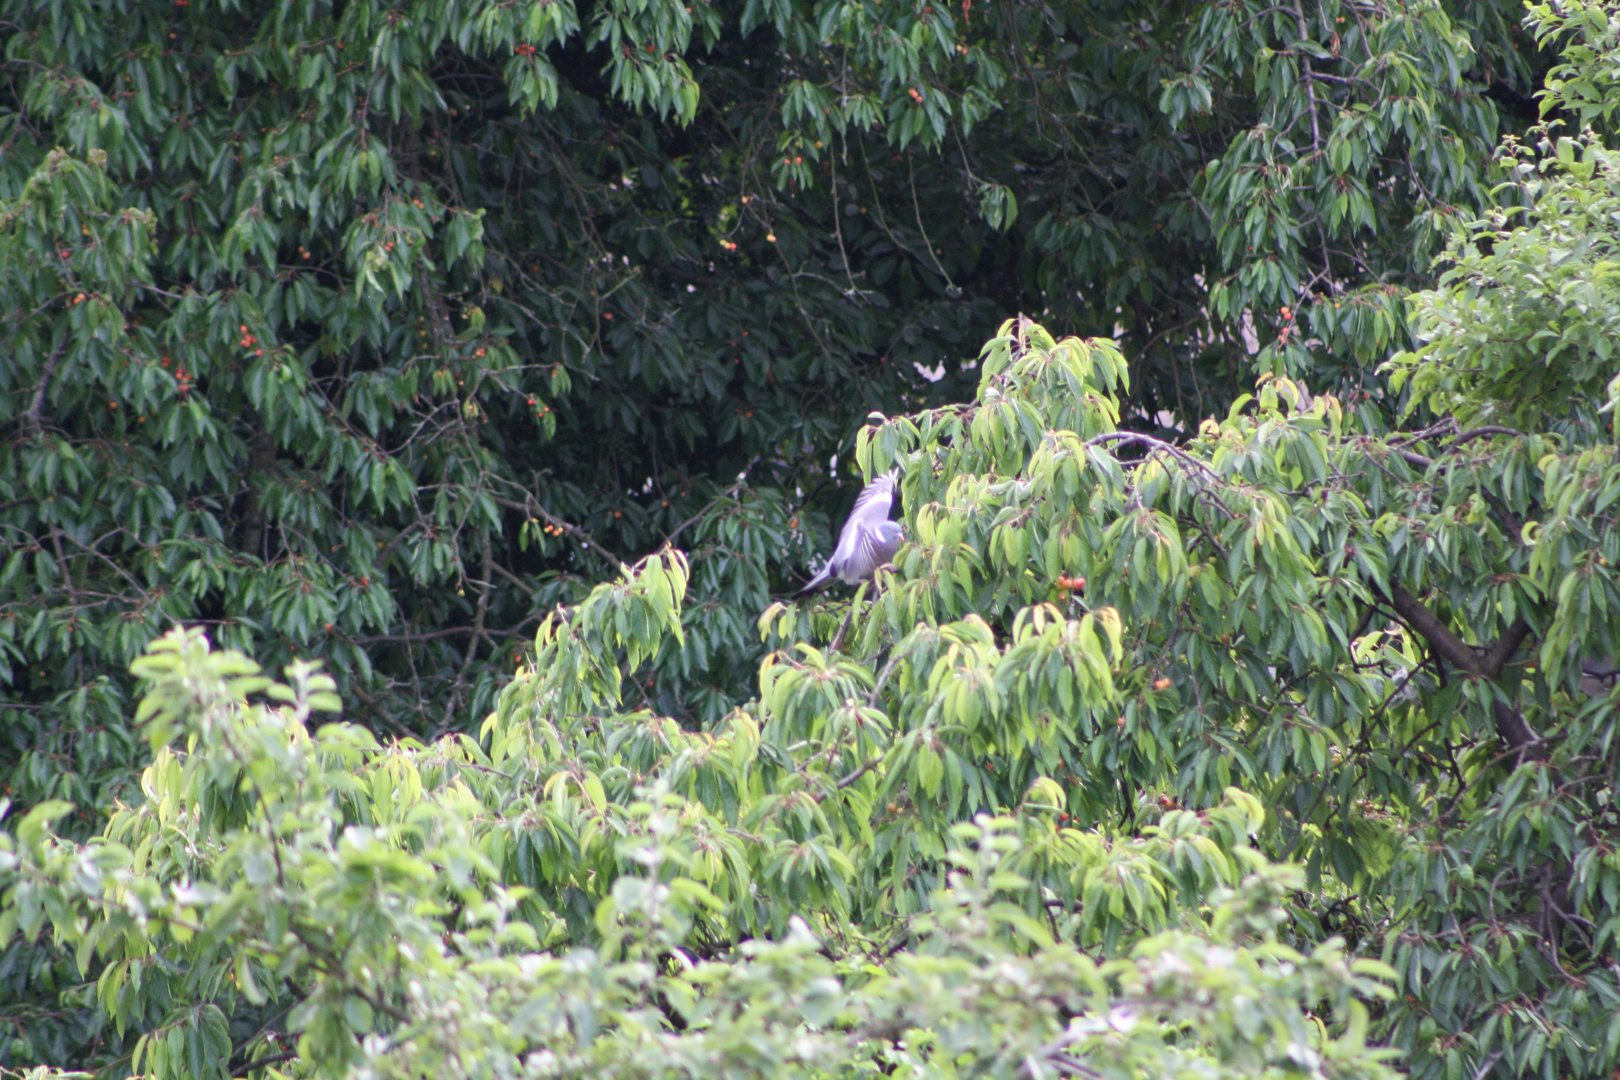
point(817, 583)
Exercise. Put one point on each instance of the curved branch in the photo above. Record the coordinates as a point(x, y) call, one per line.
point(1511, 726)
point(534, 509)
point(1157, 444)
point(1480, 433)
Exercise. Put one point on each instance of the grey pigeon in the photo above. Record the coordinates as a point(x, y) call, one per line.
point(869, 539)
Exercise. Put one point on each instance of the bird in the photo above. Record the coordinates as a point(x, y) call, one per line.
point(868, 540)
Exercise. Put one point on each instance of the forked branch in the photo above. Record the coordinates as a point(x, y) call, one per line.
point(1511, 726)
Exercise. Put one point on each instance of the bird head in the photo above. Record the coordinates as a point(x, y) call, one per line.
point(887, 538)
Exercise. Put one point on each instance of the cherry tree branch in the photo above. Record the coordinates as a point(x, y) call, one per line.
point(1511, 726)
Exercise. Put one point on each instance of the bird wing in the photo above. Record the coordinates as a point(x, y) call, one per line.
point(876, 498)
point(856, 546)
point(871, 509)
point(872, 548)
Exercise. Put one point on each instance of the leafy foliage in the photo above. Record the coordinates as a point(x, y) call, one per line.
point(1134, 762)
point(1064, 645)
point(1521, 331)
point(370, 333)
point(365, 902)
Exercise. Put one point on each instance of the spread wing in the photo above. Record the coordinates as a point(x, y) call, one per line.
point(871, 510)
point(861, 548)
point(874, 545)
point(875, 499)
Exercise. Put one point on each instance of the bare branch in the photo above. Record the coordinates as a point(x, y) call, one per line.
point(36, 407)
point(1480, 433)
point(1157, 444)
point(1511, 726)
point(845, 781)
point(264, 1062)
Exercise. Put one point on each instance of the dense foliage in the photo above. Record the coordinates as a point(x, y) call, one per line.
point(1269, 749)
point(1081, 642)
point(369, 332)
point(318, 905)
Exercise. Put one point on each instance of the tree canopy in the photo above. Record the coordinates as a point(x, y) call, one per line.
point(505, 360)
point(369, 332)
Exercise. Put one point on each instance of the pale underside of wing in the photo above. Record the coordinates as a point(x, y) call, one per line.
point(875, 499)
point(864, 543)
point(870, 550)
point(871, 510)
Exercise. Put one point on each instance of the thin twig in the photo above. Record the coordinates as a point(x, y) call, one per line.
point(514, 579)
point(36, 407)
point(838, 638)
point(858, 773)
point(434, 635)
point(534, 509)
point(1480, 433)
point(18, 325)
point(1157, 444)
point(729, 493)
point(264, 1063)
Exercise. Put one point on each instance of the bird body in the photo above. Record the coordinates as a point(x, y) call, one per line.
point(868, 540)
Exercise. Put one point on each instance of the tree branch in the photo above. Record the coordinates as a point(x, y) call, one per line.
point(1511, 726)
point(1508, 644)
point(534, 509)
point(36, 407)
point(1157, 444)
point(1422, 462)
point(1439, 636)
point(1413, 459)
point(845, 781)
point(514, 579)
point(264, 1062)
point(729, 493)
point(261, 460)
point(434, 635)
point(1480, 433)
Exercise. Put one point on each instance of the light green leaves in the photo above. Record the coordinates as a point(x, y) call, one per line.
point(366, 927)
